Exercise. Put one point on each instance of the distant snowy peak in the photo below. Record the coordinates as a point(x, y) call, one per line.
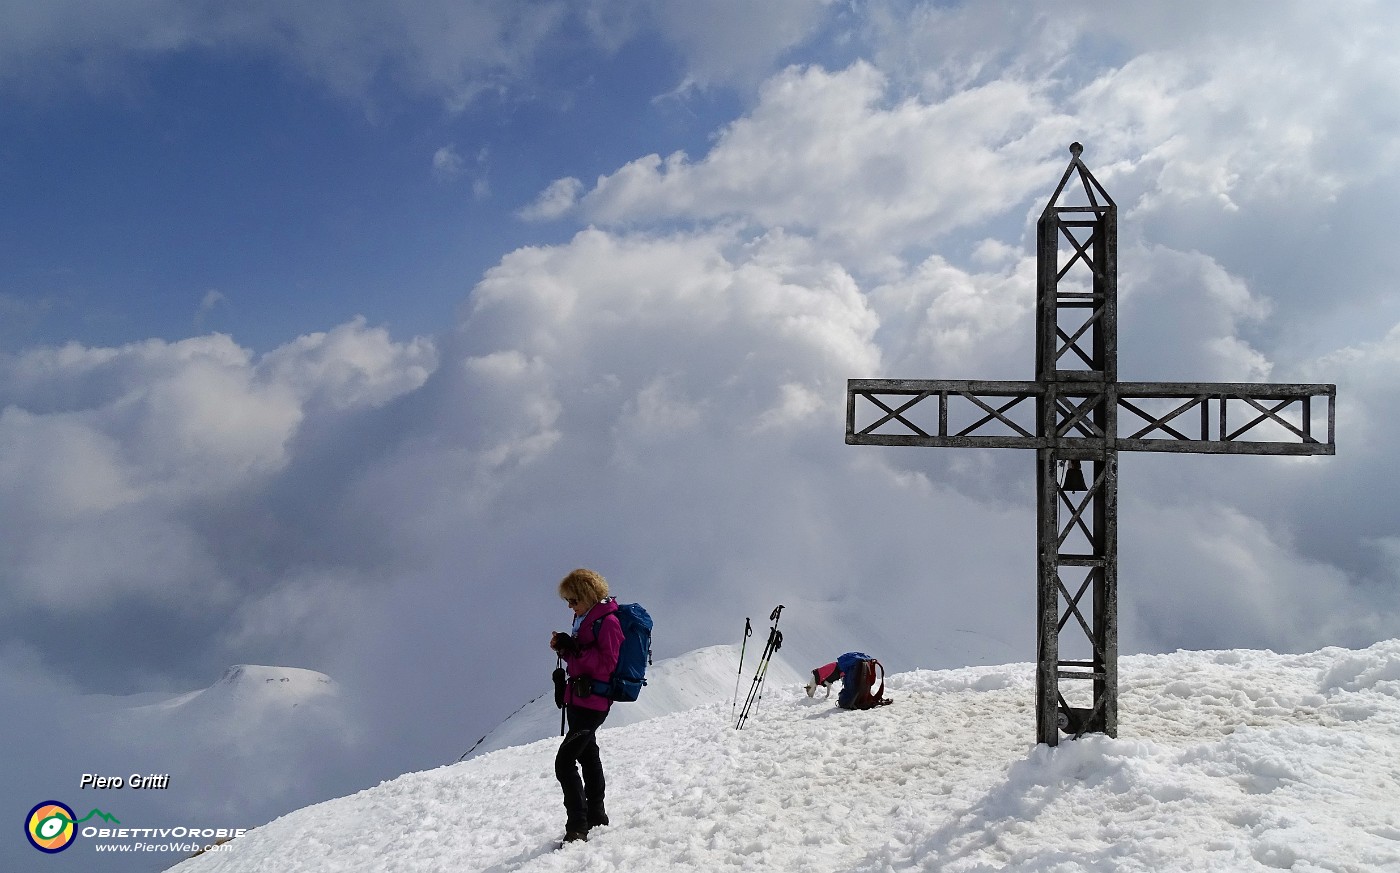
point(255, 679)
point(247, 689)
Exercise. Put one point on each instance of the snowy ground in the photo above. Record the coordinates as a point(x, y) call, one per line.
point(1229, 761)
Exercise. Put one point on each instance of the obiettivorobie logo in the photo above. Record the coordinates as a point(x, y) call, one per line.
point(51, 827)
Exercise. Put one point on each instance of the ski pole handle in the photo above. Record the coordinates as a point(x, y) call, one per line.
point(777, 613)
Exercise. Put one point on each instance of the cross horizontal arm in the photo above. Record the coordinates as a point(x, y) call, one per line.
point(935, 386)
point(1198, 417)
point(1257, 390)
point(1232, 418)
point(961, 413)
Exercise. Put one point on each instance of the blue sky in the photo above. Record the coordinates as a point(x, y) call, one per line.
point(230, 190)
point(332, 337)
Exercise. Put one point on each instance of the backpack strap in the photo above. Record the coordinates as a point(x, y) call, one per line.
point(874, 664)
point(864, 694)
point(598, 622)
point(603, 687)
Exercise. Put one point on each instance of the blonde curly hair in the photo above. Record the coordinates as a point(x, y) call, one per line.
point(585, 586)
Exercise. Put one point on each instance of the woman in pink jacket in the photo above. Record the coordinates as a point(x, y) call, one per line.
point(590, 655)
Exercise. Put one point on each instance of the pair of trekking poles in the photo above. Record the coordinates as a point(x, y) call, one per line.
point(775, 642)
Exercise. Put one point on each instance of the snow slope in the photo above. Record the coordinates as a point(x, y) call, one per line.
point(695, 679)
point(1228, 760)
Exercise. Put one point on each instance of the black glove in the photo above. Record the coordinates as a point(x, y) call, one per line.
point(564, 644)
point(559, 681)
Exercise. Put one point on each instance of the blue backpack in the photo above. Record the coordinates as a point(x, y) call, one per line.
point(632, 659)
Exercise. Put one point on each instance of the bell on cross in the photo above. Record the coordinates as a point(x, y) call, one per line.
point(1074, 478)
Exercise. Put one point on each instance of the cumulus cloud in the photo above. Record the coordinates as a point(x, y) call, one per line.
point(1185, 317)
point(348, 367)
point(1193, 575)
point(555, 201)
point(118, 461)
point(923, 169)
point(975, 323)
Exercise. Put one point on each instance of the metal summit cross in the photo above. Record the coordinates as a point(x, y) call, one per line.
point(1077, 411)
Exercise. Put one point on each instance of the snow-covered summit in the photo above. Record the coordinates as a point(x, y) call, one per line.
point(291, 685)
point(247, 688)
point(244, 675)
point(1226, 761)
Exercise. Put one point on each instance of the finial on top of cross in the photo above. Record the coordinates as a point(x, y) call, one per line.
point(1076, 149)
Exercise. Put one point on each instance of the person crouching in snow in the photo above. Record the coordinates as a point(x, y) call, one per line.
point(858, 673)
point(590, 655)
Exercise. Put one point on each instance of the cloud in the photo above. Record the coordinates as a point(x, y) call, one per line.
point(122, 466)
point(732, 42)
point(351, 366)
point(447, 164)
point(923, 169)
point(969, 323)
point(453, 51)
point(212, 299)
point(1229, 145)
point(555, 201)
point(447, 50)
point(1185, 317)
point(1194, 574)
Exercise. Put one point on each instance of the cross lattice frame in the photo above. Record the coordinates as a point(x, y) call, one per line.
point(1077, 411)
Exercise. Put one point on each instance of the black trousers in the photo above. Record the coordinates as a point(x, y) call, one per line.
point(583, 798)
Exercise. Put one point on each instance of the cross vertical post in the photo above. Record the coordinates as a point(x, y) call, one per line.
point(1078, 413)
point(1077, 348)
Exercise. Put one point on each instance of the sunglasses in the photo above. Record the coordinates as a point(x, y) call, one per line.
point(572, 601)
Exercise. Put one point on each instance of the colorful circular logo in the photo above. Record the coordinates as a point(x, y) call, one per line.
point(49, 826)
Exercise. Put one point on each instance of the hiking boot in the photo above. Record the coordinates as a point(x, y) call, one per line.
point(598, 819)
point(576, 836)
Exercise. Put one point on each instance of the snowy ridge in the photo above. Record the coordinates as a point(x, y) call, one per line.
point(1230, 760)
point(697, 678)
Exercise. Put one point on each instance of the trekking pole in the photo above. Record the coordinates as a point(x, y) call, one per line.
point(748, 632)
point(774, 616)
point(775, 642)
point(559, 676)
